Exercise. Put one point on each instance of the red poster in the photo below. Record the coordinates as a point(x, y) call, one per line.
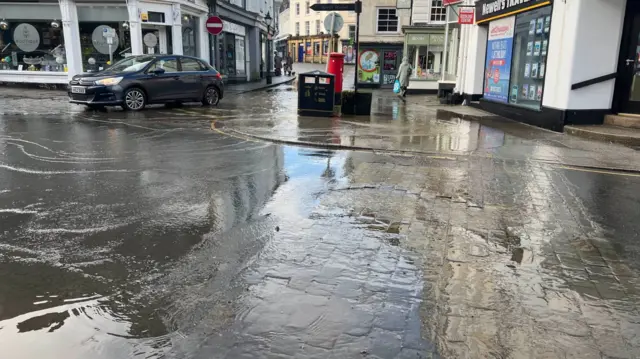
point(450, 2)
point(466, 15)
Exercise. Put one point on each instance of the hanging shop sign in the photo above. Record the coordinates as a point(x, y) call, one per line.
point(26, 37)
point(488, 10)
point(498, 60)
point(466, 16)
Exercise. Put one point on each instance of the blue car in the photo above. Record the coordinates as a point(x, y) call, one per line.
point(137, 81)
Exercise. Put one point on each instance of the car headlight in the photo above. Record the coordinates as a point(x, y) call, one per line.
point(109, 81)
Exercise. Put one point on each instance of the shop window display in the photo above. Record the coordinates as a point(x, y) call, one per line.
point(95, 47)
point(530, 46)
point(32, 46)
point(426, 63)
point(189, 35)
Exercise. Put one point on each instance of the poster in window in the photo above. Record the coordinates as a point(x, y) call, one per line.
point(498, 59)
point(527, 69)
point(545, 44)
point(534, 70)
point(368, 66)
point(539, 94)
point(532, 27)
point(536, 48)
point(525, 91)
point(532, 92)
point(529, 48)
point(514, 93)
point(541, 70)
point(539, 25)
point(547, 23)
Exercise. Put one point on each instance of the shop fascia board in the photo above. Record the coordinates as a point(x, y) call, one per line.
point(239, 15)
point(428, 29)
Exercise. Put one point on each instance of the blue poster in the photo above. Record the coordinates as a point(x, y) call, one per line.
point(498, 61)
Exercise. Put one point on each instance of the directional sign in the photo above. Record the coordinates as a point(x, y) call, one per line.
point(333, 7)
point(214, 25)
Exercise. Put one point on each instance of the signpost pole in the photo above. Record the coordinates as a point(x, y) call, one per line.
point(333, 23)
point(355, 76)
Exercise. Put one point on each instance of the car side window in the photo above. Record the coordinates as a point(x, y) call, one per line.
point(168, 64)
point(190, 65)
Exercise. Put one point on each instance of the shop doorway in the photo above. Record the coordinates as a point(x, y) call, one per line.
point(162, 40)
point(628, 83)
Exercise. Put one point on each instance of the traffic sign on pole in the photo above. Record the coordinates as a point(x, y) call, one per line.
point(334, 7)
point(214, 25)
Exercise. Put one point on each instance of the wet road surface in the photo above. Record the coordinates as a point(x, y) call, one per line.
point(150, 235)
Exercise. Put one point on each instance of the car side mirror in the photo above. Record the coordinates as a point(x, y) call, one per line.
point(158, 71)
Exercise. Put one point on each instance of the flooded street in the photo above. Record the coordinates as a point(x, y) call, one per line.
point(187, 233)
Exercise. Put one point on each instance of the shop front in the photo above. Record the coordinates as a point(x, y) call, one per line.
point(349, 51)
point(552, 63)
point(424, 48)
point(51, 41)
point(378, 64)
point(232, 50)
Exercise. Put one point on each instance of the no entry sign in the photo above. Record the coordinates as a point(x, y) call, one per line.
point(214, 25)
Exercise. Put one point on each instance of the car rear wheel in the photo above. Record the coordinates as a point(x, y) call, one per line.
point(211, 96)
point(134, 99)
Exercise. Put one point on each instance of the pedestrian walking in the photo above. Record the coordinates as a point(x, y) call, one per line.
point(288, 65)
point(278, 63)
point(404, 72)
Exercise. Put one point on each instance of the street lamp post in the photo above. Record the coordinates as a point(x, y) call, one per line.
point(267, 20)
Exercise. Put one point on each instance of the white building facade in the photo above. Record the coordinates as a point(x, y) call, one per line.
point(49, 41)
point(552, 63)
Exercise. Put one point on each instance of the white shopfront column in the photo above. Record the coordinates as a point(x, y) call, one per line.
point(584, 43)
point(202, 37)
point(176, 29)
point(135, 29)
point(471, 76)
point(71, 34)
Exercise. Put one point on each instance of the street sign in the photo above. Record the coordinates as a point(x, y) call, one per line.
point(466, 15)
point(214, 25)
point(333, 7)
point(150, 39)
point(333, 23)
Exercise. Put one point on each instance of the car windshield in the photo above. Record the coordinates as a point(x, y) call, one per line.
point(131, 64)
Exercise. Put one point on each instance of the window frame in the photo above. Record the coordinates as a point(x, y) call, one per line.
point(297, 28)
point(318, 27)
point(202, 69)
point(386, 8)
point(297, 8)
point(442, 12)
point(349, 31)
point(307, 28)
point(308, 9)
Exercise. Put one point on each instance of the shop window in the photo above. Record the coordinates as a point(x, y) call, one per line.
point(155, 16)
point(190, 65)
point(189, 35)
point(297, 29)
point(306, 28)
point(316, 48)
point(317, 27)
point(387, 20)
point(97, 53)
point(438, 11)
point(352, 31)
point(168, 65)
point(239, 54)
point(297, 8)
point(32, 46)
point(426, 61)
point(529, 57)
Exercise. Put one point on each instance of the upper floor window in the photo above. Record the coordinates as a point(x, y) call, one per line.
point(387, 20)
point(297, 8)
point(317, 26)
point(352, 31)
point(438, 11)
point(308, 8)
point(307, 30)
point(297, 29)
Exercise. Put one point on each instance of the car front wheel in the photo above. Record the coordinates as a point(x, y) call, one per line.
point(134, 99)
point(211, 96)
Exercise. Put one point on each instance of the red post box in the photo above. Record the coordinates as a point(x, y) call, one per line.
point(336, 67)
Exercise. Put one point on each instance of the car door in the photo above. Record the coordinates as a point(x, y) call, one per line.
point(165, 86)
point(192, 74)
